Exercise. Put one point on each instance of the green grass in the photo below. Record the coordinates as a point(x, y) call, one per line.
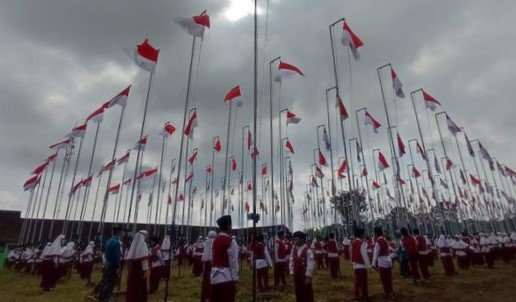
point(480, 284)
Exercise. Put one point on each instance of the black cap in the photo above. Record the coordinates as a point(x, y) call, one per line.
point(117, 229)
point(299, 235)
point(224, 222)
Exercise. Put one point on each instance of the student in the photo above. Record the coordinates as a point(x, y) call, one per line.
point(333, 256)
point(361, 264)
point(383, 262)
point(301, 268)
point(411, 249)
point(207, 257)
point(157, 264)
point(138, 266)
point(280, 260)
point(261, 255)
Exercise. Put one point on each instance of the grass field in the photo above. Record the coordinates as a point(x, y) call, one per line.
point(480, 284)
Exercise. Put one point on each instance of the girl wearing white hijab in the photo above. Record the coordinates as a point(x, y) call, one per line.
point(138, 261)
point(50, 258)
point(86, 260)
point(206, 259)
point(446, 255)
point(165, 250)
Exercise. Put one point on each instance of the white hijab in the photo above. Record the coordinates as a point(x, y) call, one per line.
point(165, 245)
point(68, 250)
point(88, 250)
point(55, 247)
point(442, 242)
point(138, 249)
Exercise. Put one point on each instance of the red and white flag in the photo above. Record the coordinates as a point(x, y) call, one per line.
point(124, 158)
point(349, 38)
point(415, 172)
point(475, 181)
point(382, 162)
point(364, 172)
point(326, 139)
point(376, 185)
point(96, 116)
point(76, 187)
point(209, 169)
point(420, 150)
point(318, 172)
point(31, 183)
point(51, 158)
point(141, 144)
point(120, 99)
point(286, 70)
point(217, 146)
point(483, 152)
point(449, 164)
point(342, 109)
point(168, 130)
point(401, 146)
point(249, 186)
point(78, 131)
point(342, 168)
point(189, 177)
point(254, 152)
point(510, 171)
point(192, 124)
point(322, 159)
point(234, 164)
point(192, 157)
point(396, 84)
point(144, 55)
point(109, 166)
point(126, 182)
point(40, 168)
point(114, 189)
point(234, 95)
point(181, 196)
point(194, 25)
point(454, 129)
point(264, 170)
point(147, 173)
point(61, 144)
point(370, 120)
point(289, 146)
point(430, 102)
point(292, 118)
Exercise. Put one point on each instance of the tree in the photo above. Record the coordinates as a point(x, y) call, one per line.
point(343, 204)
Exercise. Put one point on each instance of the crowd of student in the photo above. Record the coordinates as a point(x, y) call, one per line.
point(218, 258)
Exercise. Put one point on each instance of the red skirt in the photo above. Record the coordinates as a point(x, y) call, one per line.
point(136, 283)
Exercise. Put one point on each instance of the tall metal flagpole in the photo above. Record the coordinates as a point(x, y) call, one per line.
point(363, 159)
point(242, 170)
point(331, 151)
point(224, 202)
point(137, 164)
point(33, 210)
point(24, 224)
point(255, 107)
point(65, 221)
point(158, 195)
point(187, 154)
point(212, 177)
point(94, 207)
point(271, 128)
point(121, 193)
point(172, 167)
point(88, 186)
point(445, 153)
point(281, 166)
point(66, 160)
point(46, 199)
point(41, 193)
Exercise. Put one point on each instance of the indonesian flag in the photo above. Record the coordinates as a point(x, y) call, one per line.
point(342, 168)
point(454, 129)
point(342, 109)
point(376, 185)
point(318, 172)
point(108, 166)
point(401, 181)
point(120, 99)
point(437, 166)
point(209, 169)
point(420, 150)
point(475, 181)
point(430, 102)
point(322, 159)
point(40, 169)
point(234, 164)
point(249, 186)
point(78, 131)
point(148, 173)
point(483, 152)
point(192, 123)
point(76, 187)
point(286, 70)
point(51, 158)
point(396, 84)
point(168, 129)
point(189, 178)
point(510, 171)
point(114, 189)
point(370, 120)
point(141, 144)
point(415, 172)
point(96, 116)
point(449, 164)
point(31, 183)
point(254, 152)
point(234, 95)
point(181, 196)
point(87, 181)
point(401, 146)
point(144, 55)
point(349, 38)
point(175, 181)
point(217, 146)
point(326, 139)
point(264, 170)
point(470, 147)
point(169, 199)
point(314, 182)
point(192, 158)
point(289, 146)
point(292, 118)
point(194, 25)
point(364, 172)
point(124, 158)
point(61, 144)
point(126, 182)
point(382, 162)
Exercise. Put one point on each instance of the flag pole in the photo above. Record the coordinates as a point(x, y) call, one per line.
point(94, 208)
point(255, 110)
point(66, 160)
point(136, 168)
point(24, 223)
point(445, 153)
point(65, 221)
point(331, 150)
point(190, 197)
point(224, 202)
point(158, 195)
point(41, 193)
point(187, 153)
point(413, 176)
point(88, 186)
point(46, 199)
point(121, 193)
point(242, 176)
point(363, 159)
point(172, 162)
point(271, 128)
point(212, 177)
point(33, 210)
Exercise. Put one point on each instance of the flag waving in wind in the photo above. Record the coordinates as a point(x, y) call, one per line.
point(96, 116)
point(234, 95)
point(289, 146)
point(144, 55)
point(401, 146)
point(349, 38)
point(192, 123)
point(421, 151)
point(370, 120)
point(286, 70)
point(326, 139)
point(397, 85)
point(217, 146)
point(430, 102)
point(194, 25)
point(454, 129)
point(61, 144)
point(40, 168)
point(192, 158)
point(120, 99)
point(292, 118)
point(78, 131)
point(168, 129)
point(470, 147)
point(342, 109)
point(141, 144)
point(382, 162)
point(234, 164)
point(322, 159)
point(31, 183)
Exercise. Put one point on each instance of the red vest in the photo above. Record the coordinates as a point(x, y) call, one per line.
point(410, 244)
point(259, 250)
point(384, 246)
point(356, 254)
point(299, 262)
point(332, 246)
point(220, 248)
point(282, 249)
point(421, 243)
point(318, 245)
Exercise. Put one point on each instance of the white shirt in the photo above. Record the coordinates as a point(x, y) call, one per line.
point(309, 260)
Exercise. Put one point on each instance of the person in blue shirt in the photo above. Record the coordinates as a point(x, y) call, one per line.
point(111, 267)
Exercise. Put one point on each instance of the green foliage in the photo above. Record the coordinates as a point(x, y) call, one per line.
point(343, 203)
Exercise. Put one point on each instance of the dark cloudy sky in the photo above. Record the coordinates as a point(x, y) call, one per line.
point(61, 59)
